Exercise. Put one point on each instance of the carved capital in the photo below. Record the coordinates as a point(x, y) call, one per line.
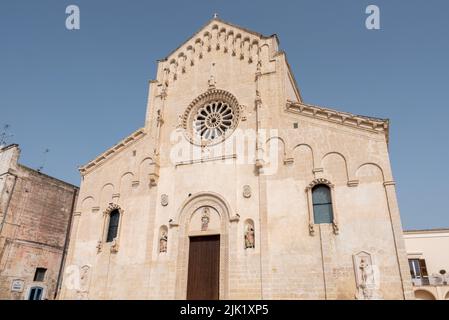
point(311, 229)
point(235, 218)
point(335, 227)
point(114, 246)
point(99, 246)
point(353, 183)
point(154, 178)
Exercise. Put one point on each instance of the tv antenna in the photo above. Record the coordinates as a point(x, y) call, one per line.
point(4, 135)
point(44, 159)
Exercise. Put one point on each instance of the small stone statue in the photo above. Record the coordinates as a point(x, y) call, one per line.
point(249, 237)
point(84, 278)
point(205, 219)
point(367, 286)
point(163, 242)
point(363, 265)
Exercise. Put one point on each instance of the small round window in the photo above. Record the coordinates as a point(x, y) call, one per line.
point(211, 117)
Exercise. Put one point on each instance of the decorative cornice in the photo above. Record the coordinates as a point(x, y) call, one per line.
point(427, 231)
point(344, 118)
point(112, 151)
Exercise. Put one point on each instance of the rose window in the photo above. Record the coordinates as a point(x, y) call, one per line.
point(213, 120)
point(211, 117)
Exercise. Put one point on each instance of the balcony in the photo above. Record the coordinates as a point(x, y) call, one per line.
point(433, 280)
point(433, 287)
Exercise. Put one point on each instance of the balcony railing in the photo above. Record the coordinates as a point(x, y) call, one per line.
point(433, 280)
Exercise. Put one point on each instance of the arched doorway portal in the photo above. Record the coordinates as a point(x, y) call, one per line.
point(203, 247)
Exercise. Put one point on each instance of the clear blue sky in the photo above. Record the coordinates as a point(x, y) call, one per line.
point(79, 92)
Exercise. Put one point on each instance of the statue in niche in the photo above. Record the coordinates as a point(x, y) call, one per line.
point(163, 242)
point(83, 289)
point(364, 275)
point(205, 219)
point(84, 277)
point(249, 237)
point(367, 286)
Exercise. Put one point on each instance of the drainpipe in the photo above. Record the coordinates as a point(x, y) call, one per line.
point(66, 244)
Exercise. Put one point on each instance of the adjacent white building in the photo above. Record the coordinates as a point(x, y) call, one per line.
point(428, 256)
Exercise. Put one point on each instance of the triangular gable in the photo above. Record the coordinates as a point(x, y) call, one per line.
point(205, 27)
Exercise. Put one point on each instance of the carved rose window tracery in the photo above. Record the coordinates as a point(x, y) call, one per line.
point(213, 120)
point(211, 117)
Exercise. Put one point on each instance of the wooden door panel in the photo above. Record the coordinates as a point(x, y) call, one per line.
point(204, 268)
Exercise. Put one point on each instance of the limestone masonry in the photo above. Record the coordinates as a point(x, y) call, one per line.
point(236, 188)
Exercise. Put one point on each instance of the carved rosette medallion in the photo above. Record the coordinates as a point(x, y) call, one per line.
point(246, 191)
point(164, 200)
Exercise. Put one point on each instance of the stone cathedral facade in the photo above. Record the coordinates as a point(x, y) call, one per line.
point(237, 189)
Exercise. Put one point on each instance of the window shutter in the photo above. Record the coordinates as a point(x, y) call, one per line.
point(423, 267)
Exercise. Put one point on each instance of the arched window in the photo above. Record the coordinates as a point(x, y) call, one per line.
point(322, 204)
point(35, 293)
point(114, 218)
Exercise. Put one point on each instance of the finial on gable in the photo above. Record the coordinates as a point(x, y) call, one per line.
point(215, 15)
